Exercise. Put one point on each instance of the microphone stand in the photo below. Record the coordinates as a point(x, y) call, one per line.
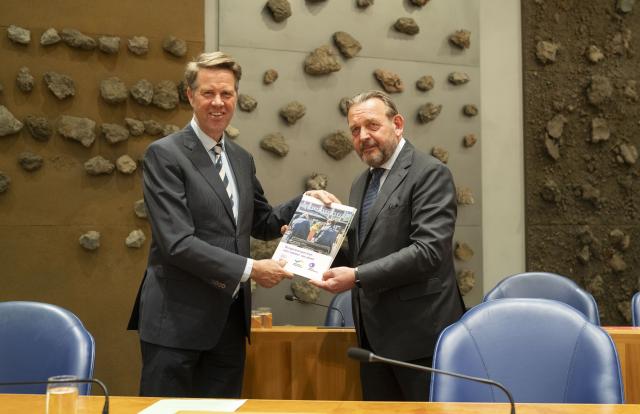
point(105, 407)
point(367, 356)
point(293, 298)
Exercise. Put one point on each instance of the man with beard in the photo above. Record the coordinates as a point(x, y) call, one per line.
point(400, 262)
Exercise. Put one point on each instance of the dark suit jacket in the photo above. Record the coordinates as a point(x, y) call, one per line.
point(409, 290)
point(198, 253)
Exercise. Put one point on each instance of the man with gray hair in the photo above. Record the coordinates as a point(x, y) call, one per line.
point(399, 260)
point(204, 201)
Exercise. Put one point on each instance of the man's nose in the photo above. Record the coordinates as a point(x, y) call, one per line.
point(216, 101)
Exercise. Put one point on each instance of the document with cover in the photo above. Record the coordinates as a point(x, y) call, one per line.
point(314, 237)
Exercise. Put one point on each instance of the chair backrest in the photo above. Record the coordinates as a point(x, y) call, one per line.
point(341, 301)
point(545, 285)
point(635, 309)
point(38, 341)
point(543, 351)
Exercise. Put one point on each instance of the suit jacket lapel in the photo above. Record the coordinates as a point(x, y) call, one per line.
point(241, 174)
point(395, 176)
point(202, 162)
point(355, 199)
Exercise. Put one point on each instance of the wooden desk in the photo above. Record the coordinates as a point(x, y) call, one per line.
point(34, 404)
point(308, 363)
point(627, 340)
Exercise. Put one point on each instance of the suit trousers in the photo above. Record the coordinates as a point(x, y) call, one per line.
point(213, 373)
point(384, 382)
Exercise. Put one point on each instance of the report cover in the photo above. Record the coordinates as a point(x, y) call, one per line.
point(314, 237)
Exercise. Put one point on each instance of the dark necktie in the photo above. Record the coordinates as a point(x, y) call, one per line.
point(223, 176)
point(369, 199)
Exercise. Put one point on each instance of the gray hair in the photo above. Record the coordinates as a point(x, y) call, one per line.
point(211, 60)
point(392, 110)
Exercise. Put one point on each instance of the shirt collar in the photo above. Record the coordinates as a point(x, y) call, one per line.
point(206, 140)
point(389, 163)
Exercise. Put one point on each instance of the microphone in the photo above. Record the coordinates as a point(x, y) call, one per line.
point(367, 356)
point(294, 298)
point(105, 407)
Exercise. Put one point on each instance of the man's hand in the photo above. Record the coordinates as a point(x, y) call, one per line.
point(268, 273)
point(336, 280)
point(326, 197)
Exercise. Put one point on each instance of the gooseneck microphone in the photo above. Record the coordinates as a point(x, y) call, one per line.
point(367, 356)
point(293, 298)
point(105, 407)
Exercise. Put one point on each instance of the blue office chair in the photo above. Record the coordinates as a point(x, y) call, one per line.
point(546, 286)
point(543, 351)
point(38, 341)
point(341, 301)
point(635, 309)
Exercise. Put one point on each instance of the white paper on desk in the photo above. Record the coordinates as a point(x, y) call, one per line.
point(171, 406)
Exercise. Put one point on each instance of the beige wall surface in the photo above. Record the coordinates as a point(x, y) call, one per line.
point(44, 212)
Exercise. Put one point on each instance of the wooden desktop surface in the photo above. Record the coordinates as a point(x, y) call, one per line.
point(35, 404)
point(311, 363)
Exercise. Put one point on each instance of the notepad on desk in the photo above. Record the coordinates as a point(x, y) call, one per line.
point(193, 406)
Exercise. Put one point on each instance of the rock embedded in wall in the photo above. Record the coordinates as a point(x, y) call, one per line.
point(470, 110)
point(619, 239)
point(321, 61)
point(78, 40)
point(594, 54)
point(261, 249)
point(50, 37)
point(174, 46)
point(464, 196)
point(599, 130)
point(440, 153)
point(625, 6)
point(463, 251)
point(19, 35)
point(280, 9)
point(407, 26)
point(389, 81)
point(165, 95)
point(168, 129)
point(182, 92)
point(113, 90)
point(142, 92)
point(24, 80)
point(135, 126)
point(152, 127)
point(98, 165)
point(546, 52)
point(62, 86)
point(301, 288)
point(114, 133)
point(292, 112)
point(270, 76)
point(347, 44)
point(247, 103)
point(629, 90)
point(419, 3)
point(126, 165)
point(135, 239)
point(342, 105)
point(138, 45)
point(9, 124)
point(38, 127)
point(425, 83)
point(139, 209)
point(90, 240)
point(109, 44)
point(275, 144)
point(5, 182)
point(469, 140)
point(458, 78)
point(78, 129)
point(626, 153)
point(555, 126)
point(232, 132)
point(461, 39)
point(428, 112)
point(466, 281)
point(337, 145)
point(599, 90)
point(363, 4)
point(316, 181)
point(30, 161)
point(550, 191)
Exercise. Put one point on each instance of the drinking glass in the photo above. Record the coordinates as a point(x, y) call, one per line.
point(62, 397)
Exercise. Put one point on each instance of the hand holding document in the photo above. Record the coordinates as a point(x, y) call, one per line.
point(314, 237)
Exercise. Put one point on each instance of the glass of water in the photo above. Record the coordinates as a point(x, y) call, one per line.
point(62, 396)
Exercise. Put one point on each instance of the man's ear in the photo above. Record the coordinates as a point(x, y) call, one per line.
point(190, 95)
point(398, 124)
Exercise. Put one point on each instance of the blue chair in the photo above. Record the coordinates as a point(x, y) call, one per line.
point(547, 286)
point(635, 309)
point(543, 351)
point(38, 341)
point(341, 301)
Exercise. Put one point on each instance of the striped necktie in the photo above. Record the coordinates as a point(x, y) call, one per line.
point(220, 168)
point(368, 200)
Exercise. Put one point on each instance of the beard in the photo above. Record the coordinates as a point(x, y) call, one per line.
point(377, 154)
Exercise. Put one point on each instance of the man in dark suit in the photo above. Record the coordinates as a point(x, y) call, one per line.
point(327, 235)
point(300, 227)
point(204, 201)
point(400, 258)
